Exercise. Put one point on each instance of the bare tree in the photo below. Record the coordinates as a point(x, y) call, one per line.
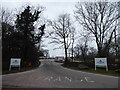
point(84, 48)
point(77, 51)
point(62, 33)
point(71, 49)
point(99, 18)
point(6, 25)
point(6, 16)
point(81, 48)
point(92, 52)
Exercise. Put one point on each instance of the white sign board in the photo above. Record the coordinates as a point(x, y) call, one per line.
point(15, 62)
point(101, 62)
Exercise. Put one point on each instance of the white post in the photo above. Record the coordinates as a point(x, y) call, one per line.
point(19, 67)
point(95, 66)
point(10, 68)
point(106, 65)
point(106, 68)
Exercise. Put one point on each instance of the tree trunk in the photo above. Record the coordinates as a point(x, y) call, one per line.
point(72, 51)
point(66, 59)
point(84, 58)
point(72, 56)
point(99, 52)
point(103, 52)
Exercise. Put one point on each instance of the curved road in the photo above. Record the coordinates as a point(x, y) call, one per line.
point(53, 75)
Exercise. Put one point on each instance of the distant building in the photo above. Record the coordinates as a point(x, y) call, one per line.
point(60, 58)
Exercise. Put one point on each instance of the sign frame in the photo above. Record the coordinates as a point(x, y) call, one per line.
point(15, 62)
point(101, 62)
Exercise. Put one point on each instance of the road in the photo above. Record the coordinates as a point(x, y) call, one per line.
point(53, 75)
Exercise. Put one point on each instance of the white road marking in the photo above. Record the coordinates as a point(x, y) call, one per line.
point(58, 79)
point(69, 79)
point(51, 77)
point(86, 78)
point(81, 80)
point(48, 78)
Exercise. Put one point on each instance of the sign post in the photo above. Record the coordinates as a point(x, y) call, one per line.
point(101, 62)
point(15, 62)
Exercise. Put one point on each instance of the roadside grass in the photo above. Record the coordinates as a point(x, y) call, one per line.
point(58, 61)
point(98, 71)
point(16, 70)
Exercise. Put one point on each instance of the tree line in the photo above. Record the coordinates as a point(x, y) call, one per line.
point(98, 22)
point(20, 40)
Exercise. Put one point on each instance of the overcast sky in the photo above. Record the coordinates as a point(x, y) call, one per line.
point(53, 10)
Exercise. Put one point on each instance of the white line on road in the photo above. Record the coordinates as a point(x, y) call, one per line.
point(51, 77)
point(86, 78)
point(81, 80)
point(69, 79)
point(58, 79)
point(48, 78)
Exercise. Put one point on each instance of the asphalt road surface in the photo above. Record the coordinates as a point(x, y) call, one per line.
point(53, 75)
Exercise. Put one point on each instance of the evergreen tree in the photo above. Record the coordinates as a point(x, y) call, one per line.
point(25, 25)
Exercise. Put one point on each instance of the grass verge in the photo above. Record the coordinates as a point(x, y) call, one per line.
point(58, 61)
point(16, 71)
point(98, 71)
point(21, 70)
